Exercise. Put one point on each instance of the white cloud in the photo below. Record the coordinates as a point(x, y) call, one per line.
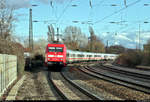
point(123, 34)
point(131, 45)
point(116, 43)
point(48, 1)
point(104, 34)
point(145, 35)
point(123, 37)
point(18, 3)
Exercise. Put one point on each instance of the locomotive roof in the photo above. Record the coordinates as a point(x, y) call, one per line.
point(55, 45)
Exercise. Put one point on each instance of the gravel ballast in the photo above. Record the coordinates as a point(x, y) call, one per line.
point(106, 89)
point(36, 87)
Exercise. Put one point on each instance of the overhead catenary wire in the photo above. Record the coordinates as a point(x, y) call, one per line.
point(132, 24)
point(92, 6)
point(102, 1)
point(98, 21)
point(64, 11)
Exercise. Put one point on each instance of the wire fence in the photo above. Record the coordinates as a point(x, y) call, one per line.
point(8, 71)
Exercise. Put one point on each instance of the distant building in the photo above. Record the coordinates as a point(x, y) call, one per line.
point(146, 48)
point(26, 52)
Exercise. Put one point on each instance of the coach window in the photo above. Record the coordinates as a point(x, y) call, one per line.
point(79, 55)
point(73, 55)
point(51, 49)
point(90, 55)
point(67, 54)
point(82, 55)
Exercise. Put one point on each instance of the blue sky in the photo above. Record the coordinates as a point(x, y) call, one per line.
point(100, 13)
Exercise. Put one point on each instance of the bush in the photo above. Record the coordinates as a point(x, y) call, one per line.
point(12, 48)
point(131, 59)
point(146, 59)
point(38, 57)
point(37, 60)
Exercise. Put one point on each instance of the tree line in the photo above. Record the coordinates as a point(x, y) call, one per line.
point(75, 39)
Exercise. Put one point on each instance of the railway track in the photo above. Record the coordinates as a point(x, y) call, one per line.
point(144, 68)
point(127, 80)
point(56, 88)
point(69, 90)
point(128, 71)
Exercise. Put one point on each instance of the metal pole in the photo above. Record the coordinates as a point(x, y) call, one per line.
point(30, 31)
point(115, 38)
point(30, 36)
point(57, 34)
point(107, 47)
point(1, 28)
point(139, 37)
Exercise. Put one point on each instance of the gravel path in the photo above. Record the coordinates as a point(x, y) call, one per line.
point(108, 90)
point(36, 87)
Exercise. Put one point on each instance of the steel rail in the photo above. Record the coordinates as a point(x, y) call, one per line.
point(120, 78)
point(140, 75)
point(144, 69)
point(84, 91)
point(115, 81)
point(56, 88)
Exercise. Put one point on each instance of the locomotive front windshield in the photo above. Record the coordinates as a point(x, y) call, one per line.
point(51, 49)
point(55, 49)
point(59, 49)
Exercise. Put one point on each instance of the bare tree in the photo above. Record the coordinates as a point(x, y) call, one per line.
point(92, 37)
point(6, 20)
point(51, 33)
point(74, 38)
point(94, 44)
point(40, 46)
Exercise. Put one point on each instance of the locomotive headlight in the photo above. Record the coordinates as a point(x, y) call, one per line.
point(61, 59)
point(59, 55)
point(49, 59)
point(50, 55)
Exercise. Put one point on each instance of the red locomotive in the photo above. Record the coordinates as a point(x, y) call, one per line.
point(55, 55)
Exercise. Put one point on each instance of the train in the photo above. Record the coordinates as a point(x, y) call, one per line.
point(58, 54)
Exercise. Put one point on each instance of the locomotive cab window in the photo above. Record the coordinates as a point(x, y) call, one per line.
point(51, 49)
point(55, 49)
point(59, 49)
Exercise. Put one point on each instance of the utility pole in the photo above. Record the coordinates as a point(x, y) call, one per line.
point(139, 37)
point(107, 47)
point(57, 35)
point(30, 35)
point(1, 27)
point(30, 31)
